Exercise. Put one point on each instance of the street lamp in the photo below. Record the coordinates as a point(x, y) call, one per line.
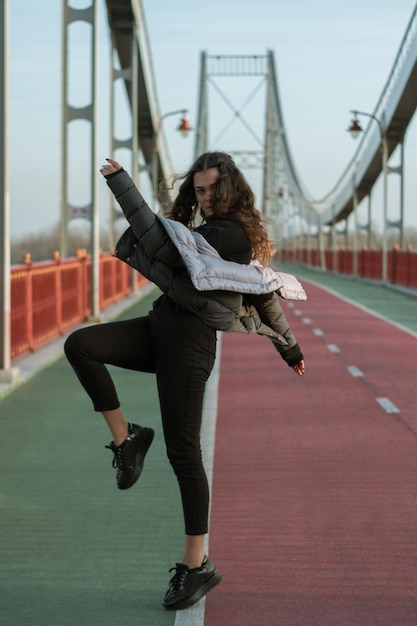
point(355, 130)
point(183, 128)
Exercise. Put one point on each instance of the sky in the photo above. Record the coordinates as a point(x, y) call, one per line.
point(331, 57)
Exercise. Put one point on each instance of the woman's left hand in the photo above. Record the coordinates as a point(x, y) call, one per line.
point(110, 167)
point(299, 368)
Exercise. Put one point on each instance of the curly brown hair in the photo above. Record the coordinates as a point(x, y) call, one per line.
point(232, 199)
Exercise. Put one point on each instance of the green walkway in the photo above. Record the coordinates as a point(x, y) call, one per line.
point(73, 549)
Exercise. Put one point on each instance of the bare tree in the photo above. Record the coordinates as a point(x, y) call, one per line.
point(42, 246)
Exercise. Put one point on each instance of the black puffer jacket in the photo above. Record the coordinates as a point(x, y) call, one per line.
point(147, 247)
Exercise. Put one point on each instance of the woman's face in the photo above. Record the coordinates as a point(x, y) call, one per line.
point(204, 185)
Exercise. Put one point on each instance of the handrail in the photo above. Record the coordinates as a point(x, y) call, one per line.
point(334, 205)
point(370, 140)
point(402, 264)
point(49, 297)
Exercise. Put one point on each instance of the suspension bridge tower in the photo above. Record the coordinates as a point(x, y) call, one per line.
point(239, 112)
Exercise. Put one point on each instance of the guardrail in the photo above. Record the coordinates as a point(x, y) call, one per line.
point(401, 264)
point(48, 298)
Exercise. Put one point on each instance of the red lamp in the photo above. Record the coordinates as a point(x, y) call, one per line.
point(355, 129)
point(185, 126)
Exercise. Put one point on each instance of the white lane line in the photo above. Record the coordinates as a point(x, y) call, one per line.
point(306, 320)
point(194, 615)
point(333, 347)
point(364, 308)
point(387, 405)
point(317, 332)
point(355, 371)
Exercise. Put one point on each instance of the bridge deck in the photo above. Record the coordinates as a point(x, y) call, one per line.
point(313, 518)
point(313, 509)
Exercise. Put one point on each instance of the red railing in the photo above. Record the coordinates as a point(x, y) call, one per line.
point(401, 264)
point(48, 298)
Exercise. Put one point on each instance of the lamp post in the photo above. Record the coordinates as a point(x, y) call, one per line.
point(183, 128)
point(6, 372)
point(355, 130)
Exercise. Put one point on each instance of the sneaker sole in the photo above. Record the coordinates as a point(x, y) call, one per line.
point(210, 583)
point(147, 436)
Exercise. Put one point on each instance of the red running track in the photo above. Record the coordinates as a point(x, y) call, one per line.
point(314, 504)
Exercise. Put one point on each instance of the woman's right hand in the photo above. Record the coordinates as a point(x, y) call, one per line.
point(110, 167)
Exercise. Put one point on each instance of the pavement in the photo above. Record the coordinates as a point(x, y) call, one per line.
point(313, 514)
point(313, 502)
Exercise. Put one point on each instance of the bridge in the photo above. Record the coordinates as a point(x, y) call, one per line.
point(313, 510)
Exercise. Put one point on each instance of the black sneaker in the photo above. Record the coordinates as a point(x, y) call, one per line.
point(130, 455)
point(188, 586)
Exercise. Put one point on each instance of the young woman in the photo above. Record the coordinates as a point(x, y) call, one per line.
point(177, 339)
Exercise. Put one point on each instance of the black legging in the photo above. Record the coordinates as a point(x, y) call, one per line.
point(181, 350)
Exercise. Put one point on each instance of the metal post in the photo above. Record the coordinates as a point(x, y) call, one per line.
point(155, 167)
point(126, 75)
point(309, 239)
point(402, 198)
point(95, 220)
point(384, 149)
point(334, 246)
point(8, 374)
point(369, 233)
point(90, 114)
point(64, 137)
point(4, 193)
point(4, 200)
point(112, 97)
point(135, 111)
point(130, 75)
point(269, 145)
point(135, 130)
point(321, 249)
point(155, 155)
point(385, 209)
point(201, 139)
point(355, 234)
